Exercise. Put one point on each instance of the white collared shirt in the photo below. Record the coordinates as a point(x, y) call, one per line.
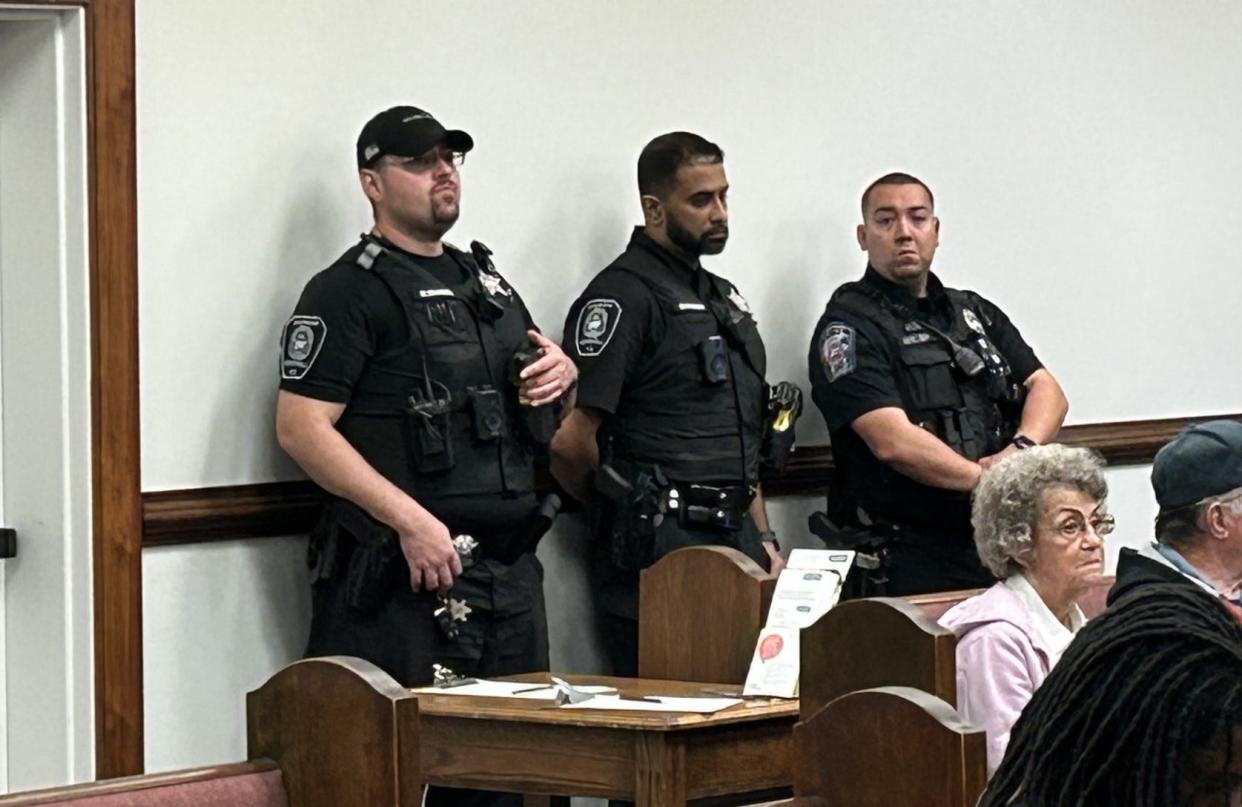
point(1056, 636)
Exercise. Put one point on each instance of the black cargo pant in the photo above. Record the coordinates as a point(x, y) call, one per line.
point(505, 634)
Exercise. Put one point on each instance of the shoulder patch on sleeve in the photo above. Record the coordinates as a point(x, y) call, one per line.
point(597, 322)
point(300, 343)
point(836, 351)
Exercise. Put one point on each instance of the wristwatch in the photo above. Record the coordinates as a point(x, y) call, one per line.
point(769, 537)
point(1021, 441)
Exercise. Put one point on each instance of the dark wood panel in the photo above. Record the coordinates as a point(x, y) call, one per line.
point(112, 155)
point(287, 508)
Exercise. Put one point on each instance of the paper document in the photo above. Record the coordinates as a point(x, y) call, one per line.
point(510, 689)
point(658, 703)
point(807, 588)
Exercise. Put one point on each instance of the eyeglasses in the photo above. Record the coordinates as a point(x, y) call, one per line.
point(429, 161)
point(1073, 529)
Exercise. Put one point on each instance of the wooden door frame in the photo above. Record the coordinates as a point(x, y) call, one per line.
point(112, 187)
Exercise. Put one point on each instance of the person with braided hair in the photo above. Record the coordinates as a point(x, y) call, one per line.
point(1143, 710)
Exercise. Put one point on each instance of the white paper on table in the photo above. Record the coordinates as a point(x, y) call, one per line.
point(658, 703)
point(775, 665)
point(512, 689)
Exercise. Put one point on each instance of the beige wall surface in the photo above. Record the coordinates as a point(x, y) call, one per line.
point(1083, 157)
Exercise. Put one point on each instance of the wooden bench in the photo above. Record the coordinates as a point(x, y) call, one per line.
point(877, 642)
point(700, 610)
point(244, 784)
point(934, 605)
point(886, 747)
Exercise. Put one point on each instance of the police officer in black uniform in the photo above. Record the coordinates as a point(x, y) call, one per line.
point(416, 390)
point(672, 398)
point(923, 387)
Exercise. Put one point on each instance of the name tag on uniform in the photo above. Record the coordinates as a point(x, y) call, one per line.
point(435, 293)
point(691, 307)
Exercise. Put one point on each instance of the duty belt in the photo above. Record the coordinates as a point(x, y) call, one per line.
point(722, 508)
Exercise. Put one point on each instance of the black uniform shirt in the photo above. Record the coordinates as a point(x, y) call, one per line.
point(866, 380)
point(871, 384)
point(637, 350)
point(346, 317)
point(607, 369)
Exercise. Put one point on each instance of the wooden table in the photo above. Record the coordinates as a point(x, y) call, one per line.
point(652, 758)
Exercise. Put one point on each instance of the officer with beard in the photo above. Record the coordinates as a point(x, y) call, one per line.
point(416, 390)
point(665, 441)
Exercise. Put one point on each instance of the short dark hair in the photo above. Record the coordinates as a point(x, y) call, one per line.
point(896, 178)
point(1177, 526)
point(1118, 722)
point(660, 159)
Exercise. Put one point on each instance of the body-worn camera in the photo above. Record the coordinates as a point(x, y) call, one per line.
point(488, 412)
point(713, 360)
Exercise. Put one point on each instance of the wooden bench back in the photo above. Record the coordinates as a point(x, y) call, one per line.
point(889, 746)
point(877, 642)
point(700, 611)
point(343, 732)
point(934, 605)
point(244, 784)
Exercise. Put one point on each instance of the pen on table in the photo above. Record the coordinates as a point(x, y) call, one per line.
point(531, 689)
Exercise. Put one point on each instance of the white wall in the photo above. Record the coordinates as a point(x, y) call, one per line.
point(1083, 156)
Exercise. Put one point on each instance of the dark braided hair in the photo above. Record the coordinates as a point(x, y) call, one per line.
point(1143, 689)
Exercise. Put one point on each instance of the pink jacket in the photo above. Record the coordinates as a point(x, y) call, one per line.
point(1001, 660)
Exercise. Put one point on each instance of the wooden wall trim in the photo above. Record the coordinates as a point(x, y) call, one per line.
point(116, 476)
point(288, 508)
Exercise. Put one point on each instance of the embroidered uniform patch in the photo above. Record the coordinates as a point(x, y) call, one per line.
point(836, 351)
point(597, 322)
point(300, 344)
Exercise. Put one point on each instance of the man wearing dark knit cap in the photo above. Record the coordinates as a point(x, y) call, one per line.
point(1197, 480)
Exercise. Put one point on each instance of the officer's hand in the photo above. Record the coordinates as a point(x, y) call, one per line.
point(990, 460)
point(429, 552)
point(550, 376)
point(775, 562)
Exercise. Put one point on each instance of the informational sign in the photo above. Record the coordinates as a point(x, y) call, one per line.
point(809, 585)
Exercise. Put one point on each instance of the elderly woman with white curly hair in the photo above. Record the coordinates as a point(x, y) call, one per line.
point(1040, 518)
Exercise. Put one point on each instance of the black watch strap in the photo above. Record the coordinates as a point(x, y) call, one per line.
point(769, 537)
point(1022, 441)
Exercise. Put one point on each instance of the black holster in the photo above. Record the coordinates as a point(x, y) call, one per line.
point(370, 551)
point(635, 500)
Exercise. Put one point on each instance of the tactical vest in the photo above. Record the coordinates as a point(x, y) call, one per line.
point(702, 420)
point(438, 415)
point(974, 415)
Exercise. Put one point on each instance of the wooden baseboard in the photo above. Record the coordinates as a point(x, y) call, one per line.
point(287, 508)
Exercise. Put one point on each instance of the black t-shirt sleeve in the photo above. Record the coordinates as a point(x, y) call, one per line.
point(334, 330)
point(1004, 334)
point(606, 334)
point(851, 370)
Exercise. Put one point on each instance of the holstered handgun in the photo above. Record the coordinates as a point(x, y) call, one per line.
point(376, 562)
point(639, 505)
point(871, 555)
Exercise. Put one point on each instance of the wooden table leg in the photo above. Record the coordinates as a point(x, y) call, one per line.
point(659, 770)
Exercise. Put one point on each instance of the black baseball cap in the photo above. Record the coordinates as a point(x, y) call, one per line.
point(406, 131)
point(1203, 460)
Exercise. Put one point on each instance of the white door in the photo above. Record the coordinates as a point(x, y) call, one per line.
point(47, 697)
